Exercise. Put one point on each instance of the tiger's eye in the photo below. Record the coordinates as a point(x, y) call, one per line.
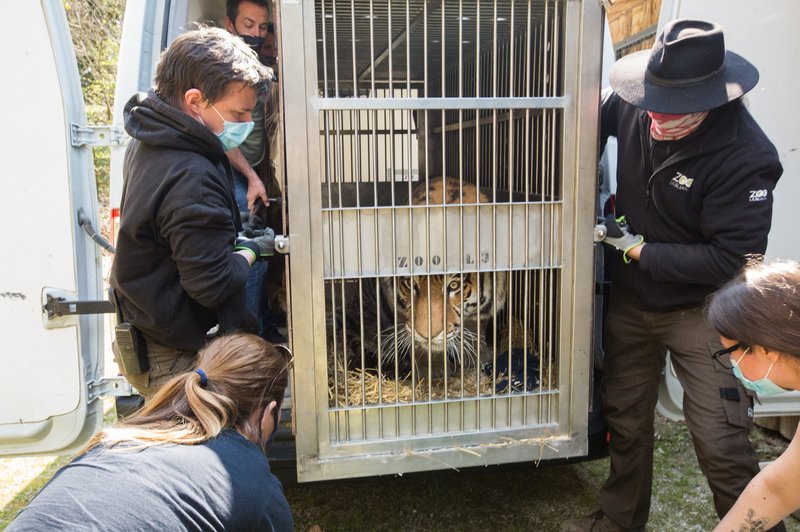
point(455, 284)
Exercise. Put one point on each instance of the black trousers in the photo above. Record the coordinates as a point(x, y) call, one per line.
point(717, 408)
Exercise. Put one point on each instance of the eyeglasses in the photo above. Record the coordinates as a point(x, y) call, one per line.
point(726, 362)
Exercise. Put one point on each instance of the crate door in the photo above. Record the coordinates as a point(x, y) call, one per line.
point(442, 166)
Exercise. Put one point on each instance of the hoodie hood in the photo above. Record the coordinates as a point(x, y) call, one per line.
point(152, 121)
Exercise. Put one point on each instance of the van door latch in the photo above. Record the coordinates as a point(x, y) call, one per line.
point(59, 306)
point(98, 136)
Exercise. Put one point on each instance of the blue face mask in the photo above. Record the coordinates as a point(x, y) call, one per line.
point(233, 133)
point(762, 387)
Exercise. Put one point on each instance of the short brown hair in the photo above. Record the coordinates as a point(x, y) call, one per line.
point(207, 59)
point(761, 306)
point(232, 7)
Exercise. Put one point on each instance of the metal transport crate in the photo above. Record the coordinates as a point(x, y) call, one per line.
point(441, 162)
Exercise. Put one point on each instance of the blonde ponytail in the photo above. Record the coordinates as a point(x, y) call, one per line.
point(242, 372)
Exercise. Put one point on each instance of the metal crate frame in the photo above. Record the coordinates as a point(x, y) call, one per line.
point(565, 434)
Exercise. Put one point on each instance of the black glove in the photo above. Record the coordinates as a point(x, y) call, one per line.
point(252, 226)
point(261, 246)
point(619, 236)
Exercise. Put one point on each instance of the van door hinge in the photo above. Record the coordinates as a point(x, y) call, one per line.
point(59, 306)
point(109, 387)
point(98, 136)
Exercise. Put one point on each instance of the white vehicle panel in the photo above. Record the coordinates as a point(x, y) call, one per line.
point(33, 195)
point(46, 363)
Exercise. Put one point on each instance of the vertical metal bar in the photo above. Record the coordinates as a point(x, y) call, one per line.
point(478, 174)
point(408, 50)
point(372, 49)
point(389, 45)
point(509, 233)
point(338, 114)
point(463, 74)
point(460, 165)
point(346, 365)
point(325, 117)
point(443, 92)
point(337, 402)
point(557, 191)
point(391, 183)
point(494, 158)
point(324, 49)
point(538, 170)
point(356, 178)
point(335, 51)
point(425, 57)
point(527, 184)
point(356, 128)
point(362, 382)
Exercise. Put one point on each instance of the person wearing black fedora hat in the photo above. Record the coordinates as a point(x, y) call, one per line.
point(695, 177)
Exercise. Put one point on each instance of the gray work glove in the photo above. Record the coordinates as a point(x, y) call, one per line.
point(261, 246)
point(252, 225)
point(618, 235)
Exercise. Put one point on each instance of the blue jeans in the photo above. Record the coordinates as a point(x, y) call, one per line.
point(258, 271)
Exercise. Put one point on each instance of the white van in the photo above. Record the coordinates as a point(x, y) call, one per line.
point(376, 99)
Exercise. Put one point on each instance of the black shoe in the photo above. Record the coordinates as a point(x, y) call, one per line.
point(596, 522)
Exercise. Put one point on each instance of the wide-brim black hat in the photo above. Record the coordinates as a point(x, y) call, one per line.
point(686, 71)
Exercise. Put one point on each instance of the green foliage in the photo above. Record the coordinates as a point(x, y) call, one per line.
point(96, 27)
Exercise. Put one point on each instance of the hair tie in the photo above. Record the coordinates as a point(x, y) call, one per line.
point(203, 378)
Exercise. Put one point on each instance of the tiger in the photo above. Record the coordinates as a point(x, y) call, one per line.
point(434, 317)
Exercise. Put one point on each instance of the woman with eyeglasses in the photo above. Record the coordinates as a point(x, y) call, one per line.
point(757, 315)
point(192, 459)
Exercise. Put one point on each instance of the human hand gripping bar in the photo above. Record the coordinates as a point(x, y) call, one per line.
point(618, 234)
point(261, 246)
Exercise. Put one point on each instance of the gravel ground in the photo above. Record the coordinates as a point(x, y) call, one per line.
point(512, 497)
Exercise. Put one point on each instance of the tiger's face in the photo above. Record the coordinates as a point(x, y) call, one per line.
point(440, 316)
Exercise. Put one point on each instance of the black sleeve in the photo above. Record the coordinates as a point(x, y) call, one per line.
point(609, 113)
point(200, 233)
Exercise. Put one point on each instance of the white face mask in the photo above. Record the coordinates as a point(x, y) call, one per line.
point(763, 386)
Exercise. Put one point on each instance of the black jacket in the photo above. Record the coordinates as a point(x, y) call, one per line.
point(174, 271)
point(702, 203)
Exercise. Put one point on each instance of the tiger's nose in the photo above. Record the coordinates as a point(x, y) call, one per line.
point(421, 333)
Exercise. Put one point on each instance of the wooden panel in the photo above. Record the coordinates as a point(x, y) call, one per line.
point(627, 18)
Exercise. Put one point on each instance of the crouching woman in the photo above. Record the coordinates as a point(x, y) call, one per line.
point(757, 315)
point(191, 459)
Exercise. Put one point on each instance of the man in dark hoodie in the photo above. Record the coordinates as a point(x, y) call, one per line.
point(179, 270)
point(695, 177)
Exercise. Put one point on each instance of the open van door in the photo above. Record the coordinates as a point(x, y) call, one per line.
point(765, 34)
point(51, 356)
